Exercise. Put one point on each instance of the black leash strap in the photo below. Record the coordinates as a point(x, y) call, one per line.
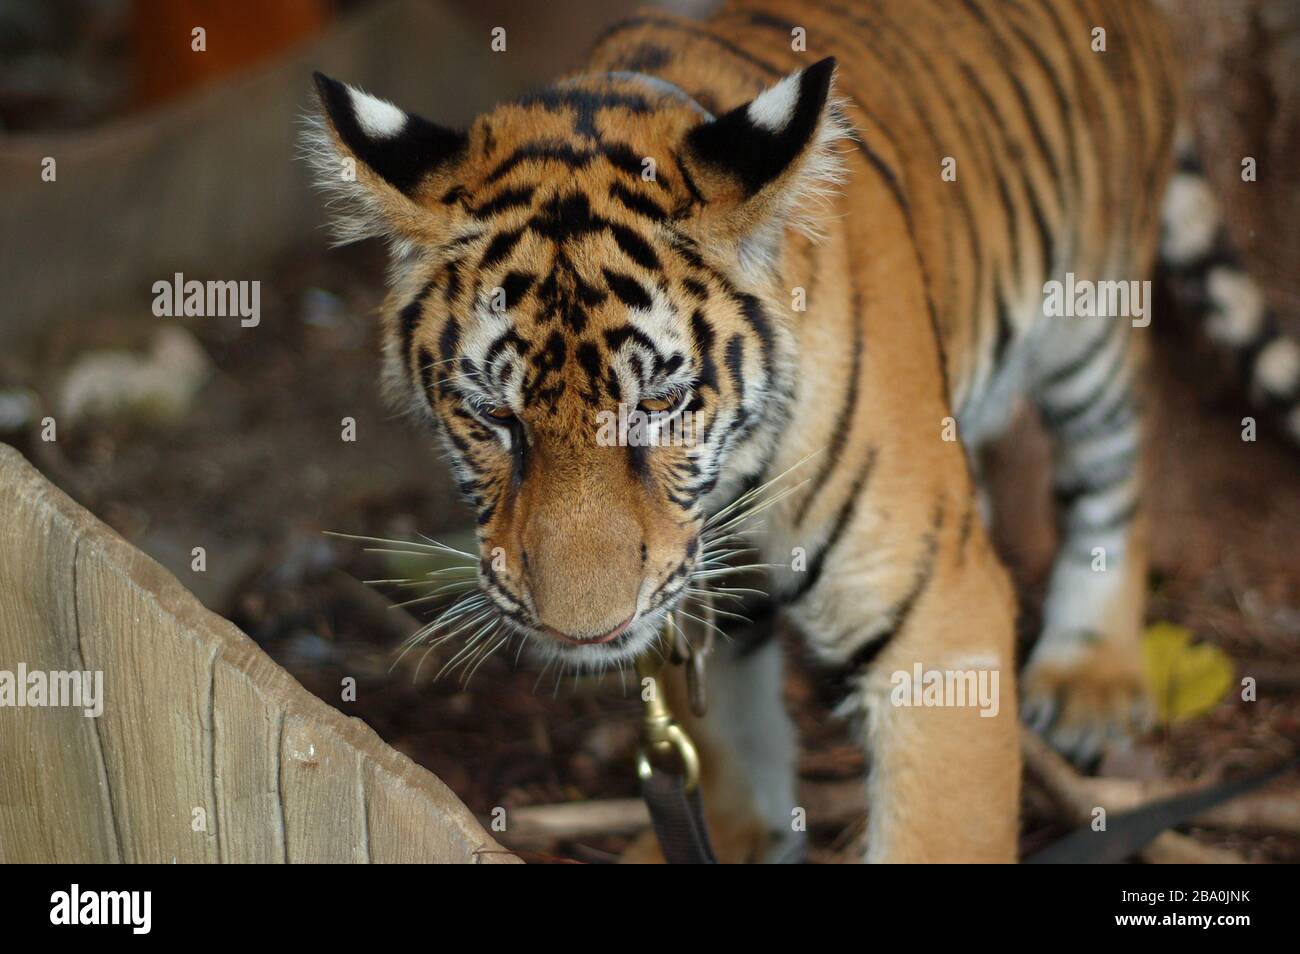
point(1127, 833)
point(678, 819)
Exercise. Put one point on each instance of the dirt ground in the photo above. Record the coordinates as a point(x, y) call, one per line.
point(257, 471)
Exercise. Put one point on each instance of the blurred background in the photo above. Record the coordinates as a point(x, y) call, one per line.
point(128, 154)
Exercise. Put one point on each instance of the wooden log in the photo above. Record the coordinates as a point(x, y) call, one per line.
point(538, 827)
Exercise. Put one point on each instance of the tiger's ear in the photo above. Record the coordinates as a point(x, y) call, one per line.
point(764, 165)
point(384, 167)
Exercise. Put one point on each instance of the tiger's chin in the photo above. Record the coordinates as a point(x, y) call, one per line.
point(600, 656)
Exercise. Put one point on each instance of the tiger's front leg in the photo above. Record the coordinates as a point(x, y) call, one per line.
point(923, 630)
point(1084, 686)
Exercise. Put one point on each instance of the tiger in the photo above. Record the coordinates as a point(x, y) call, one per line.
point(823, 234)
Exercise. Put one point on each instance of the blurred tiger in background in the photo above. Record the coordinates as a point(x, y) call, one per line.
point(845, 239)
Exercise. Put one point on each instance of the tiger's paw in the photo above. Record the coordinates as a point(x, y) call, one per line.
point(1083, 693)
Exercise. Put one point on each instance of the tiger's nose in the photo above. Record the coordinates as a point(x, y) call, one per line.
point(584, 604)
point(584, 578)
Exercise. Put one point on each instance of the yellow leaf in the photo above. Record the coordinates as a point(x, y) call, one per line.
point(1186, 680)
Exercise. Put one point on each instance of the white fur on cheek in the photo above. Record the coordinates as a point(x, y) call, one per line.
point(377, 117)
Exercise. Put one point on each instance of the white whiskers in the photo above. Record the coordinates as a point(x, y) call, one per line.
point(471, 614)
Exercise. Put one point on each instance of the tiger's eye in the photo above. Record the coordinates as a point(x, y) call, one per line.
point(501, 412)
point(658, 405)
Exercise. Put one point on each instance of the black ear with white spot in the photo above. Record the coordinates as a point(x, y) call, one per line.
point(378, 160)
point(755, 165)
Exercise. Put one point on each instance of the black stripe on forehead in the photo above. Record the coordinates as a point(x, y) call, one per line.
point(586, 103)
point(627, 290)
point(500, 247)
point(566, 217)
point(588, 356)
point(547, 362)
point(516, 285)
point(503, 201)
point(634, 246)
point(564, 295)
point(619, 155)
point(556, 151)
point(635, 202)
point(552, 355)
point(646, 360)
point(624, 157)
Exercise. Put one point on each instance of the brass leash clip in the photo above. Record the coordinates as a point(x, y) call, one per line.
point(661, 736)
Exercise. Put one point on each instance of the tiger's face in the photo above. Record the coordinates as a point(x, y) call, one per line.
point(585, 306)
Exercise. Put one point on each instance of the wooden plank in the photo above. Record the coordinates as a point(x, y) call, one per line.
point(404, 829)
point(250, 818)
point(196, 717)
point(156, 727)
point(54, 798)
point(324, 799)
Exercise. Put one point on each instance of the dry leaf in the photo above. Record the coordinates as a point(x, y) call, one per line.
point(1186, 679)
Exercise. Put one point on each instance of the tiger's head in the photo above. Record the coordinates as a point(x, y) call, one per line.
point(585, 305)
